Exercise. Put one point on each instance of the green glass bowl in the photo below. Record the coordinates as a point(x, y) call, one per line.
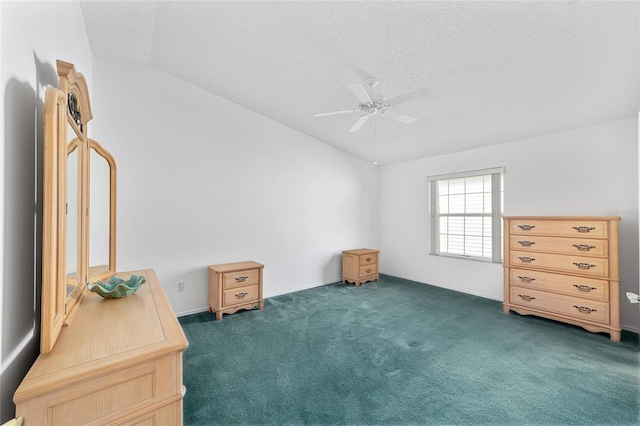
point(116, 287)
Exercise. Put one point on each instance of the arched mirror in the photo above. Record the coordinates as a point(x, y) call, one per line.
point(102, 206)
point(79, 213)
point(73, 214)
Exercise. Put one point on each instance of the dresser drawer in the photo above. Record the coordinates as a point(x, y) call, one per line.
point(108, 398)
point(240, 295)
point(587, 288)
point(573, 264)
point(240, 278)
point(368, 259)
point(561, 228)
point(582, 309)
point(573, 246)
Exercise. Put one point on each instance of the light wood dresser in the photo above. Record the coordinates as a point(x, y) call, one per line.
point(119, 362)
point(565, 269)
point(235, 286)
point(360, 266)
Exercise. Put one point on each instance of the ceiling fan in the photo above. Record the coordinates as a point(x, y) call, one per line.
point(371, 106)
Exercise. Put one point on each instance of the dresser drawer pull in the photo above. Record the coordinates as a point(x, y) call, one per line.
point(584, 288)
point(584, 265)
point(368, 271)
point(584, 309)
point(368, 259)
point(241, 279)
point(526, 227)
point(526, 298)
point(241, 295)
point(526, 259)
point(584, 247)
point(526, 279)
point(526, 243)
point(583, 229)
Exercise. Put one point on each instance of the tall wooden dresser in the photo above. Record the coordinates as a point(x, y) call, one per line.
point(565, 269)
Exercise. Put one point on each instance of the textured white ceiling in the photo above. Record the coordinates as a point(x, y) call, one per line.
point(498, 71)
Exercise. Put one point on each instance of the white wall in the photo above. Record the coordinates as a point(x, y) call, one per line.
point(203, 181)
point(588, 171)
point(32, 36)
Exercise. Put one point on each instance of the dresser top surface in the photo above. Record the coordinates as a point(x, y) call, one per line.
point(616, 218)
point(108, 334)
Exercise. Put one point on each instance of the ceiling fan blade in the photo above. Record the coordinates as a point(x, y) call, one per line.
point(324, 114)
point(359, 123)
point(397, 116)
point(408, 97)
point(360, 92)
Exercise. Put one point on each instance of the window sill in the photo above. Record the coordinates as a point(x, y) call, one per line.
point(460, 257)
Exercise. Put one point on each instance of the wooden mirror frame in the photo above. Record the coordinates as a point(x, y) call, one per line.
point(98, 273)
point(58, 115)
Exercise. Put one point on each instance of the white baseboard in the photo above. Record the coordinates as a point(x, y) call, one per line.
point(459, 290)
point(304, 287)
point(191, 312)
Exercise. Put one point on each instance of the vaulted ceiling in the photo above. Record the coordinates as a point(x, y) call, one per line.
point(497, 71)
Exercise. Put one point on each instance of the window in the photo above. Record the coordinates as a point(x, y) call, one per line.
point(466, 214)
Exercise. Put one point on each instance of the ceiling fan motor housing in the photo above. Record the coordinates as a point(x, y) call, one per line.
point(372, 107)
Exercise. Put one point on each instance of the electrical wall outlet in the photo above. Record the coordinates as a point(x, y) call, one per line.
point(180, 285)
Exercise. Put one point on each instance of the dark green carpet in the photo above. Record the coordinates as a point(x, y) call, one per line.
point(399, 352)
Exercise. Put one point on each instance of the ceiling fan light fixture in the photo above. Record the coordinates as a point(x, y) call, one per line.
point(371, 107)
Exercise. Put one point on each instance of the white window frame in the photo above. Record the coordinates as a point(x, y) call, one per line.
point(496, 212)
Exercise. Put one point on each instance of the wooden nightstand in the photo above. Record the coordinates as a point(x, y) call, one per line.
point(235, 286)
point(360, 265)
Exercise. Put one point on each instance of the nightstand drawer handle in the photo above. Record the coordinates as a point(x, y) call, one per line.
point(584, 265)
point(241, 279)
point(526, 243)
point(584, 309)
point(526, 298)
point(526, 259)
point(583, 229)
point(368, 271)
point(584, 247)
point(368, 259)
point(241, 295)
point(526, 279)
point(583, 287)
point(526, 227)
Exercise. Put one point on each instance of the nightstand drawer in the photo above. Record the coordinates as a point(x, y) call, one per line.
point(240, 295)
point(240, 278)
point(582, 309)
point(368, 259)
point(366, 271)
